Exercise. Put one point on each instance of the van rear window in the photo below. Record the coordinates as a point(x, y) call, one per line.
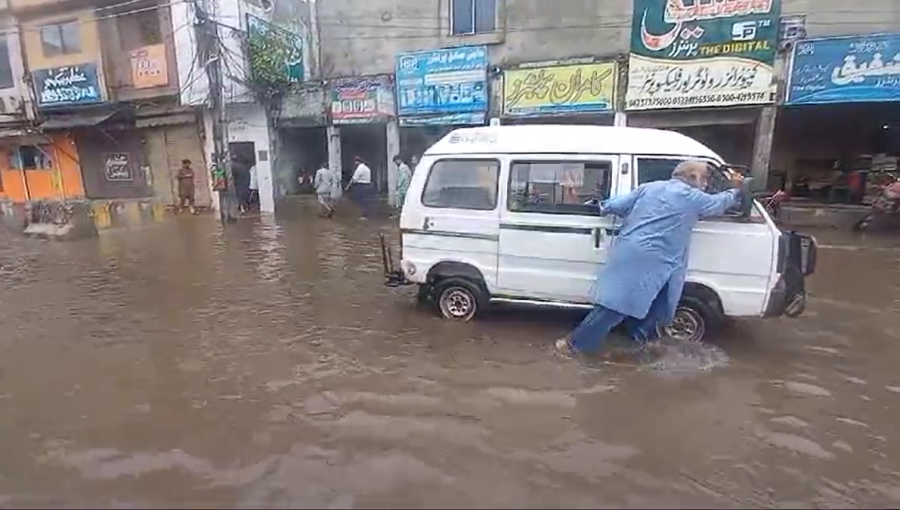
point(558, 187)
point(462, 184)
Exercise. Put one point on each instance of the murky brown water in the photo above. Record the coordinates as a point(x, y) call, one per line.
point(177, 365)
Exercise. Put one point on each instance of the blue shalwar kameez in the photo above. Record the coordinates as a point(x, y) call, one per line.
point(644, 276)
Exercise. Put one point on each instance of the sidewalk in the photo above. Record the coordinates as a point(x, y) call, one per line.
point(78, 219)
point(812, 215)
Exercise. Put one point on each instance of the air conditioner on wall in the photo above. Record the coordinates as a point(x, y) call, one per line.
point(9, 105)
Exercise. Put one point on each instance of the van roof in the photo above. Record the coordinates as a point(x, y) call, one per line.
point(568, 139)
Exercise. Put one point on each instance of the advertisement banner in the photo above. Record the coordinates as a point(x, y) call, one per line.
point(67, 86)
point(693, 54)
point(149, 67)
point(361, 100)
point(446, 81)
point(579, 88)
point(845, 70)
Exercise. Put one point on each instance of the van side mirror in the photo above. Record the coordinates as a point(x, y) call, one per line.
point(746, 197)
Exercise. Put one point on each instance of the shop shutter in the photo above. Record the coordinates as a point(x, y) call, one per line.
point(183, 142)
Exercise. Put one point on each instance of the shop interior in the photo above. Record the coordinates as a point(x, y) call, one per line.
point(302, 152)
point(836, 154)
point(369, 142)
point(415, 140)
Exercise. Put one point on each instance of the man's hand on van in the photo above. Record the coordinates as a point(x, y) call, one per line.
point(592, 201)
point(736, 178)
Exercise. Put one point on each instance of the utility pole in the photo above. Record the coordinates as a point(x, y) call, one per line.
point(210, 47)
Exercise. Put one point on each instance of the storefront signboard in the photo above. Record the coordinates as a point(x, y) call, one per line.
point(67, 86)
point(861, 69)
point(584, 88)
point(361, 100)
point(149, 67)
point(442, 82)
point(692, 54)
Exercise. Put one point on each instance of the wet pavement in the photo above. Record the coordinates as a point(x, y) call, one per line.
point(180, 365)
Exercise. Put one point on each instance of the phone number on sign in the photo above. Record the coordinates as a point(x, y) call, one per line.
point(704, 99)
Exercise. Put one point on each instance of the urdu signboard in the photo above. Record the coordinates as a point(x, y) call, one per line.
point(692, 54)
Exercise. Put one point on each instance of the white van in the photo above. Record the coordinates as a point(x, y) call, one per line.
point(498, 214)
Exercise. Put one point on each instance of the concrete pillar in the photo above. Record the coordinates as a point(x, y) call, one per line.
point(333, 134)
point(392, 130)
point(620, 119)
point(762, 147)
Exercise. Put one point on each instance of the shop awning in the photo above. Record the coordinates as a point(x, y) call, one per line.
point(76, 120)
point(166, 120)
point(11, 133)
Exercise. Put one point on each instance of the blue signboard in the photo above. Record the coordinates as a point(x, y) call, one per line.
point(845, 70)
point(67, 86)
point(446, 81)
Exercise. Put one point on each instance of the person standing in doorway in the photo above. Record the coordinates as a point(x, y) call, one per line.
point(404, 174)
point(360, 186)
point(185, 178)
point(253, 195)
point(324, 184)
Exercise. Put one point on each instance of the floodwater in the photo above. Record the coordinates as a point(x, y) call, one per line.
point(177, 365)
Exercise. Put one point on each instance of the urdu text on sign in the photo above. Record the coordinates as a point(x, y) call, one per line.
point(445, 81)
point(688, 53)
point(845, 70)
point(559, 89)
point(64, 86)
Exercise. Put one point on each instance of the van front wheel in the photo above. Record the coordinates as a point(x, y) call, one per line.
point(457, 299)
point(693, 319)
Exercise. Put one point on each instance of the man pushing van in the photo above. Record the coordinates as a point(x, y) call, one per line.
point(644, 276)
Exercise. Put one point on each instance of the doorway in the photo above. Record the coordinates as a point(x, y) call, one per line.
point(369, 142)
point(243, 163)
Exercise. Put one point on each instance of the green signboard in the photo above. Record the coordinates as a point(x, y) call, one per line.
point(698, 53)
point(275, 54)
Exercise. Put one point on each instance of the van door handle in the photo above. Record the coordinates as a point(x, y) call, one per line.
point(596, 235)
point(427, 224)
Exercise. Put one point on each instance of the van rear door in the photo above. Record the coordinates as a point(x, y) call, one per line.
point(455, 217)
point(551, 244)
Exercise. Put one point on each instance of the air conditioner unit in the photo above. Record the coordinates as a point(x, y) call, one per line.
point(9, 105)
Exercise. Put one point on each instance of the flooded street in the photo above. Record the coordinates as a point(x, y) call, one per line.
point(267, 365)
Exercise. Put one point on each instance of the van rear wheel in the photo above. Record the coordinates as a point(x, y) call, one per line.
point(458, 299)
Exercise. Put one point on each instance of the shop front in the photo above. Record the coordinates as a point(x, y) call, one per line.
point(707, 71)
point(438, 91)
point(571, 93)
point(168, 136)
point(302, 140)
point(362, 111)
point(838, 135)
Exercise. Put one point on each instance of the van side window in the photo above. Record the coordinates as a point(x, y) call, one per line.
point(462, 184)
point(652, 169)
point(558, 187)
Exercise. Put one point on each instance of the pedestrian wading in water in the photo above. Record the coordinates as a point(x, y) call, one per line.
point(644, 276)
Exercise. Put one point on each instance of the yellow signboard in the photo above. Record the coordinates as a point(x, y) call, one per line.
point(582, 88)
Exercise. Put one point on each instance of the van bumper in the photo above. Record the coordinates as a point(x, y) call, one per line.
point(796, 260)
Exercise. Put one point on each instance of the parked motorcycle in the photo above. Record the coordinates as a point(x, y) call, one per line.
point(887, 203)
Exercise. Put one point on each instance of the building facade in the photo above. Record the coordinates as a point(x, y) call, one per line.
point(106, 122)
point(250, 122)
point(715, 70)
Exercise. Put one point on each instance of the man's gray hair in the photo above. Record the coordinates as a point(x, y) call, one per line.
point(691, 172)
